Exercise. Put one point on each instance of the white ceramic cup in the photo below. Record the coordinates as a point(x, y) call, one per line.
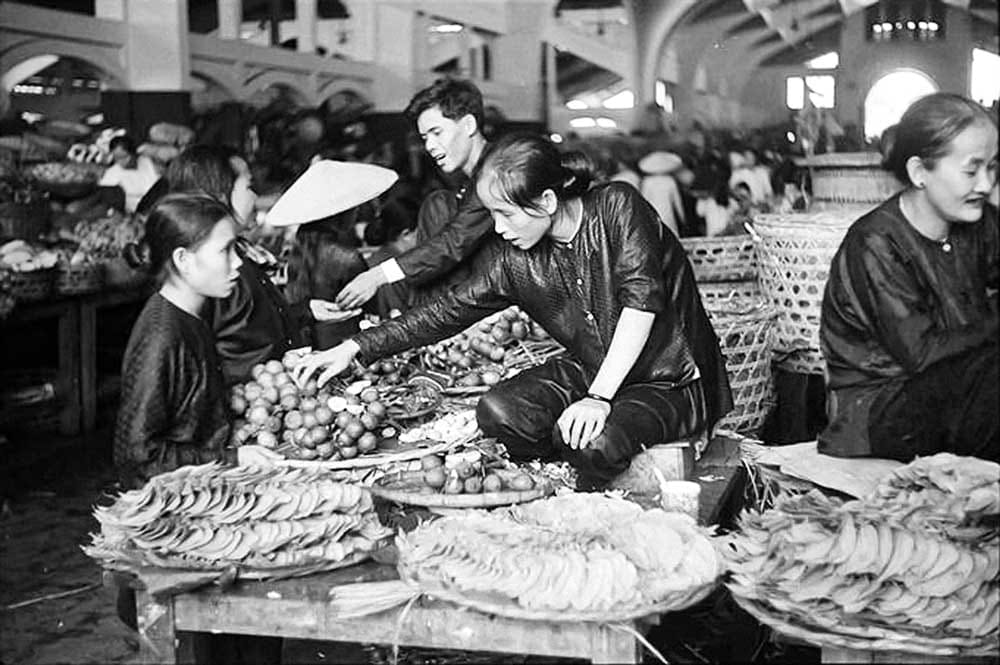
point(680, 496)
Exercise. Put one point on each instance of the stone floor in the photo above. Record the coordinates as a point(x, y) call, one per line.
point(46, 516)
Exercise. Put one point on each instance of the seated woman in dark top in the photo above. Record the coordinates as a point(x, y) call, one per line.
point(909, 321)
point(596, 269)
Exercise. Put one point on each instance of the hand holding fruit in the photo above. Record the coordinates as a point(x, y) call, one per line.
point(332, 362)
point(326, 311)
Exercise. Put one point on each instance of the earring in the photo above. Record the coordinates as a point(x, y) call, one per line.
point(918, 185)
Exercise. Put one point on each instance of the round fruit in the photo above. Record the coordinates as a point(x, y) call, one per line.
point(238, 404)
point(434, 477)
point(306, 453)
point(258, 415)
point(388, 432)
point(369, 421)
point(354, 429)
point(308, 404)
point(343, 419)
point(289, 389)
point(309, 419)
point(336, 403)
point(518, 330)
point(348, 452)
point(369, 395)
point(430, 462)
point(289, 402)
point(274, 366)
point(497, 354)
point(473, 485)
point(325, 450)
point(310, 388)
point(281, 379)
point(324, 416)
point(319, 434)
point(465, 470)
point(511, 314)
point(267, 439)
point(352, 400)
point(522, 482)
point(393, 378)
point(271, 395)
point(266, 380)
point(344, 441)
point(293, 420)
point(257, 370)
point(492, 483)
point(301, 436)
point(273, 424)
point(453, 485)
point(470, 379)
point(376, 409)
point(490, 378)
point(387, 367)
point(253, 392)
point(367, 443)
point(499, 335)
point(454, 357)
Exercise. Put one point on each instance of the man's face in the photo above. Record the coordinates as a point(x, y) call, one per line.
point(447, 141)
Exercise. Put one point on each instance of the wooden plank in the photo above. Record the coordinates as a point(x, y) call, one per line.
point(88, 366)
point(719, 472)
point(842, 655)
point(69, 368)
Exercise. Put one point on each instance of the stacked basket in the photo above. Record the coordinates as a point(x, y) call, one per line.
point(795, 250)
point(725, 268)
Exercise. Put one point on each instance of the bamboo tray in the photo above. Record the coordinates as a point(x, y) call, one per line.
point(376, 459)
point(503, 606)
point(392, 489)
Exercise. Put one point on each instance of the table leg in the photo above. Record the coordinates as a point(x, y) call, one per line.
point(157, 641)
point(608, 645)
point(88, 366)
point(69, 368)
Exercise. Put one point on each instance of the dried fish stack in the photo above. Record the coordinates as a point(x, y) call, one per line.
point(536, 558)
point(209, 517)
point(912, 567)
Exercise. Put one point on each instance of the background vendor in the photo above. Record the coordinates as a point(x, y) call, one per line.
point(135, 174)
point(909, 319)
point(597, 270)
point(451, 226)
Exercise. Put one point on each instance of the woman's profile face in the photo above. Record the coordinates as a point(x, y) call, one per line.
point(960, 182)
point(521, 227)
point(211, 268)
point(243, 198)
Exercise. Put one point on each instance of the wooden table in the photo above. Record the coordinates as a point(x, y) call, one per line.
point(77, 321)
point(299, 608)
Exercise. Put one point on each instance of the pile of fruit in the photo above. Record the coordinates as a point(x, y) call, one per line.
point(64, 173)
point(19, 256)
point(466, 473)
point(532, 557)
point(478, 356)
point(105, 237)
point(307, 422)
point(209, 517)
point(917, 561)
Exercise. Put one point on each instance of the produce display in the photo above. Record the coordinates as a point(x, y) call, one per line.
point(64, 173)
point(914, 565)
point(462, 472)
point(209, 517)
point(335, 422)
point(20, 256)
point(582, 555)
point(105, 237)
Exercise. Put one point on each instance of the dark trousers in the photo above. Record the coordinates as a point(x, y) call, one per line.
point(952, 406)
point(522, 413)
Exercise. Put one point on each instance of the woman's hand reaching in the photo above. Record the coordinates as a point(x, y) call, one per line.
point(583, 421)
point(326, 311)
point(329, 363)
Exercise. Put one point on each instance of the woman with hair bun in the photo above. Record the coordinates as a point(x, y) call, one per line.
point(909, 319)
point(595, 268)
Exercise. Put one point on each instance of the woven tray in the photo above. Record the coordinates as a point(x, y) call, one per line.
point(506, 607)
point(746, 337)
point(795, 252)
point(850, 177)
point(374, 459)
point(880, 639)
point(716, 295)
point(80, 278)
point(245, 572)
point(721, 258)
point(391, 490)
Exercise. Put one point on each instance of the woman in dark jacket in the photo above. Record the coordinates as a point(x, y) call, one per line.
point(909, 320)
point(596, 270)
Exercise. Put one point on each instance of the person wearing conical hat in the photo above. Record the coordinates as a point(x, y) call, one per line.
point(451, 227)
point(325, 202)
point(660, 189)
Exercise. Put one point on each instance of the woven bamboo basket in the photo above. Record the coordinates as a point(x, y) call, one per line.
point(850, 177)
point(718, 295)
point(722, 258)
point(80, 278)
point(746, 337)
point(32, 286)
point(795, 252)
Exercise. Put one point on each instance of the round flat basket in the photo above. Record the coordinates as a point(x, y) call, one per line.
point(391, 490)
point(245, 571)
point(867, 639)
point(850, 177)
point(722, 258)
point(506, 607)
point(80, 278)
point(795, 252)
point(746, 337)
point(374, 459)
point(32, 286)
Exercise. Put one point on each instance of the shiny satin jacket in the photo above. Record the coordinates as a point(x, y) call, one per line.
point(622, 256)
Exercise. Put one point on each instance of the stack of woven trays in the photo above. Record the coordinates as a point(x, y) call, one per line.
point(849, 178)
point(745, 327)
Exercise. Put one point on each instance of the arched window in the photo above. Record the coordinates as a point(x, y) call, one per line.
point(891, 95)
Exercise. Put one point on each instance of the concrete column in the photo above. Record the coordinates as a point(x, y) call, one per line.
point(552, 99)
point(363, 22)
point(157, 54)
point(230, 18)
point(517, 58)
point(113, 10)
point(399, 39)
point(305, 19)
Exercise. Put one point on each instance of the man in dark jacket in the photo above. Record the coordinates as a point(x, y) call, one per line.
point(449, 118)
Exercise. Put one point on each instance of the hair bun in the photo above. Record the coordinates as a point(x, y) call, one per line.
point(136, 255)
